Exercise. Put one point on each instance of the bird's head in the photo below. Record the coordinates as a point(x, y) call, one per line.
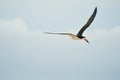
point(85, 39)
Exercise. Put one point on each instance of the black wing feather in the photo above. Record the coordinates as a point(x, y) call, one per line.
point(90, 20)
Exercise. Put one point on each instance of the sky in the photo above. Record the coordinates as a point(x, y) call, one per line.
point(26, 53)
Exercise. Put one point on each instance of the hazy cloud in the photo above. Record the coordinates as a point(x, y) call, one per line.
point(28, 54)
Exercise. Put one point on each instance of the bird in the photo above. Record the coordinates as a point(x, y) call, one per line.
point(79, 35)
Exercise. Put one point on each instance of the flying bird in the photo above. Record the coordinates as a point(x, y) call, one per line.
point(79, 35)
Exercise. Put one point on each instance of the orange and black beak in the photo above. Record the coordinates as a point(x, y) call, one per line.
point(86, 40)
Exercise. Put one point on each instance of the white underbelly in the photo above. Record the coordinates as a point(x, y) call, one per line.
point(74, 37)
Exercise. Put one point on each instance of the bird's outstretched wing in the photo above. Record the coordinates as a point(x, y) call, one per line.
point(90, 20)
point(74, 37)
point(58, 33)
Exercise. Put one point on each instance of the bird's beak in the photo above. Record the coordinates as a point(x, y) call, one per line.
point(86, 40)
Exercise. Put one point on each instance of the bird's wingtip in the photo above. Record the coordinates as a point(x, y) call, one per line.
point(46, 32)
point(96, 7)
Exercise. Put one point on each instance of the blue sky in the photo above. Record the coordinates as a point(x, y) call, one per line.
point(26, 53)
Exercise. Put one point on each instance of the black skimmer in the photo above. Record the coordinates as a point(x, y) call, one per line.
point(79, 34)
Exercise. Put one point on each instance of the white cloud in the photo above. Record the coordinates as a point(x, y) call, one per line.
point(11, 27)
point(17, 28)
point(50, 55)
point(110, 36)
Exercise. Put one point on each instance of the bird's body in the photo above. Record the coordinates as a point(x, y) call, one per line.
point(79, 34)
